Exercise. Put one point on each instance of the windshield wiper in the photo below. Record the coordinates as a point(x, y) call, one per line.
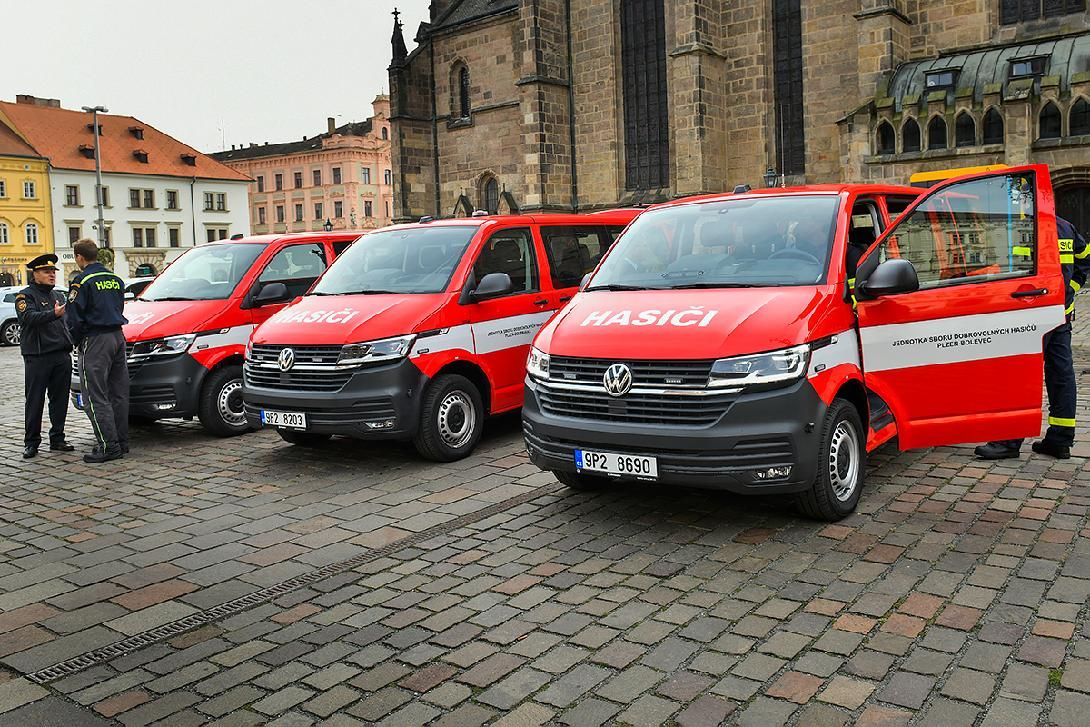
point(168, 298)
point(364, 292)
point(618, 286)
point(708, 284)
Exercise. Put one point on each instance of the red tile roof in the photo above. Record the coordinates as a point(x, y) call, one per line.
point(58, 134)
point(12, 145)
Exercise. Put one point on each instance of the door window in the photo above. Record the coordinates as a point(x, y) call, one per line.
point(339, 247)
point(511, 252)
point(980, 229)
point(863, 231)
point(574, 251)
point(296, 266)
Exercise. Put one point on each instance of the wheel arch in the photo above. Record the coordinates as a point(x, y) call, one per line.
point(855, 393)
point(474, 373)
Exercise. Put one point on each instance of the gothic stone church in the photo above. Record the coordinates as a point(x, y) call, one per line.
point(510, 105)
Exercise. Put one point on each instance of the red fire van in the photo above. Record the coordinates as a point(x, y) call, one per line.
point(188, 330)
point(419, 331)
point(717, 345)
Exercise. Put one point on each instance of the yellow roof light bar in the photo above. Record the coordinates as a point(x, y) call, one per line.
point(929, 179)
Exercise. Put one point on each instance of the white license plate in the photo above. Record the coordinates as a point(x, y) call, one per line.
point(611, 463)
point(284, 419)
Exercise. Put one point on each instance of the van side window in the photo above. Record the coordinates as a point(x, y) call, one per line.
point(511, 252)
point(864, 228)
point(339, 247)
point(980, 229)
point(296, 266)
point(897, 205)
point(574, 251)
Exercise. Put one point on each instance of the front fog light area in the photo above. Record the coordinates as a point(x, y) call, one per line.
point(384, 424)
point(773, 473)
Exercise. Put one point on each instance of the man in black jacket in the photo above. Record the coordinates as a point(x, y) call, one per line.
point(46, 349)
point(95, 316)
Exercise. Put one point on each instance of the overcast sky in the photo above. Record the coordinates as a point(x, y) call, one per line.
point(208, 71)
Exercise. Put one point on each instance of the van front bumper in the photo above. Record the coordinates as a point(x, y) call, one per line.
point(378, 402)
point(159, 388)
point(756, 432)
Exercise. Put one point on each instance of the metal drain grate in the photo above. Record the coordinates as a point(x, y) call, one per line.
point(250, 600)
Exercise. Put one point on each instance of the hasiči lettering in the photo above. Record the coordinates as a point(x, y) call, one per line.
point(695, 316)
point(317, 316)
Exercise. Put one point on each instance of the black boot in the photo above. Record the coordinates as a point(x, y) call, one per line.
point(31, 450)
point(61, 446)
point(1051, 449)
point(99, 455)
point(996, 450)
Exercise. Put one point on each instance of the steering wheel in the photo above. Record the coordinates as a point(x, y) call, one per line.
point(794, 252)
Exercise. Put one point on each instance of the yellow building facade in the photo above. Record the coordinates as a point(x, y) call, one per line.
point(26, 220)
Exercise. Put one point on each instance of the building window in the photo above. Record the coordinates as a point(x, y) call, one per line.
point(137, 237)
point(134, 199)
point(142, 199)
point(338, 209)
point(993, 127)
point(365, 175)
point(149, 199)
point(71, 195)
point(318, 211)
point(280, 213)
point(964, 130)
point(368, 209)
point(260, 183)
point(4, 239)
point(104, 193)
point(643, 62)
point(336, 175)
point(1049, 122)
point(388, 177)
point(385, 133)
point(175, 236)
point(886, 139)
point(172, 199)
point(1018, 11)
point(260, 215)
point(149, 236)
point(1028, 67)
point(299, 213)
point(73, 235)
point(209, 201)
point(298, 179)
point(788, 86)
point(1080, 118)
point(460, 91)
point(387, 209)
point(940, 80)
point(317, 177)
point(221, 202)
point(910, 136)
point(278, 180)
point(31, 233)
point(30, 190)
point(936, 133)
point(492, 196)
point(3, 188)
point(216, 233)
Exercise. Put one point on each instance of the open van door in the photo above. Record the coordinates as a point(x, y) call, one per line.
point(958, 358)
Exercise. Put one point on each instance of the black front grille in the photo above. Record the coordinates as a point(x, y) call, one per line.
point(304, 355)
point(644, 373)
point(635, 408)
point(368, 410)
point(151, 394)
point(295, 380)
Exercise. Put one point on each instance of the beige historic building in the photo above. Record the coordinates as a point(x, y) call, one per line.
point(584, 104)
point(340, 178)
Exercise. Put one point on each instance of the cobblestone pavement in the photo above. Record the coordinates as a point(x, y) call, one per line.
point(483, 592)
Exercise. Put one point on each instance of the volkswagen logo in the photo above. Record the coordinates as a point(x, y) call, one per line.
point(286, 359)
point(617, 380)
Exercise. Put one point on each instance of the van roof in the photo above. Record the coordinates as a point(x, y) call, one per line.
point(808, 189)
point(269, 239)
point(618, 216)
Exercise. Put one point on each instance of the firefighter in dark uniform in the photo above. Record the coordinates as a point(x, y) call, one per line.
point(1059, 366)
point(95, 316)
point(47, 349)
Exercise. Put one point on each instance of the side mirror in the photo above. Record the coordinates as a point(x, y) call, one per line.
point(585, 280)
point(894, 276)
point(272, 293)
point(492, 285)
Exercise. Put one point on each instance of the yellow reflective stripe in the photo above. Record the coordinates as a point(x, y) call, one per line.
point(1076, 286)
point(1068, 259)
point(1070, 309)
point(1061, 422)
point(1084, 253)
point(1067, 245)
point(1022, 251)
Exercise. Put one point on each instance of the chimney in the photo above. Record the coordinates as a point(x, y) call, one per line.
point(331, 123)
point(26, 98)
point(232, 147)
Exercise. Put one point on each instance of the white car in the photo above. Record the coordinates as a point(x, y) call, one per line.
point(9, 323)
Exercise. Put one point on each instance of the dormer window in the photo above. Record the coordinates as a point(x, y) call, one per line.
point(137, 132)
point(87, 150)
point(941, 80)
point(190, 159)
point(141, 156)
point(91, 128)
point(1028, 67)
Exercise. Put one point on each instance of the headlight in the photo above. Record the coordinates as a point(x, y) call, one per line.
point(249, 348)
point(169, 346)
point(763, 368)
point(388, 349)
point(537, 364)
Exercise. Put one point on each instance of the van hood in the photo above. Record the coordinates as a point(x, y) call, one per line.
point(150, 319)
point(687, 324)
point(338, 319)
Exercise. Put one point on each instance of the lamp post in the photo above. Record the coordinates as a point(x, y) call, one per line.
point(328, 226)
point(94, 111)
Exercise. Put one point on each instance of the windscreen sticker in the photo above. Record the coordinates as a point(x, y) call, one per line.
point(695, 316)
point(339, 315)
point(958, 339)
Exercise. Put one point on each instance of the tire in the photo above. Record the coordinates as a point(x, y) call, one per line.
point(220, 405)
point(581, 482)
point(10, 333)
point(841, 466)
point(451, 419)
point(303, 439)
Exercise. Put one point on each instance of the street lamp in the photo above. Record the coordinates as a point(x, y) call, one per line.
point(328, 226)
point(94, 111)
point(770, 177)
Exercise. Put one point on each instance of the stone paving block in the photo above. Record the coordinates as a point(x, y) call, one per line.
point(906, 690)
point(569, 687)
point(648, 711)
point(1069, 709)
point(1005, 712)
point(527, 715)
point(17, 692)
point(969, 686)
point(707, 710)
point(1025, 682)
point(763, 711)
point(231, 700)
point(945, 712)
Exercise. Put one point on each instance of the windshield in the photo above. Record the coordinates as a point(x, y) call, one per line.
point(406, 260)
point(208, 272)
point(753, 242)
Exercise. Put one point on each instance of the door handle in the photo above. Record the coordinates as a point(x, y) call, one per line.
point(1029, 293)
point(542, 301)
point(565, 298)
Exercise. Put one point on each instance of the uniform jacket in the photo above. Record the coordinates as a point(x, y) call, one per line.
point(42, 331)
point(95, 303)
point(1074, 261)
